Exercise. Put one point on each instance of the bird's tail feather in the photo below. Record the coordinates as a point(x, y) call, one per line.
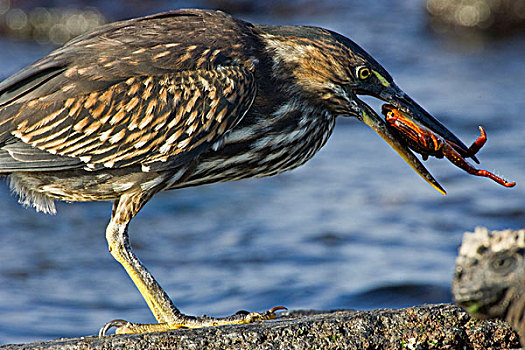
point(30, 198)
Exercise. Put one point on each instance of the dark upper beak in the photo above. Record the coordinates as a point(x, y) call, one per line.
point(396, 97)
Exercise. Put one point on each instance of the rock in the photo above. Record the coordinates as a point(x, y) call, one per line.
point(500, 17)
point(55, 25)
point(441, 326)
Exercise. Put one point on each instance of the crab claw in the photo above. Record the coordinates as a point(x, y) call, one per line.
point(480, 141)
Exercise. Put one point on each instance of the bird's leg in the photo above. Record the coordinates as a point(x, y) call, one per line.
point(168, 316)
point(118, 242)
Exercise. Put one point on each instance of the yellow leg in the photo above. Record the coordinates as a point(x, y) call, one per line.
point(157, 300)
point(168, 316)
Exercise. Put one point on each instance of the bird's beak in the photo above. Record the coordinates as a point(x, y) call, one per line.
point(370, 118)
point(393, 95)
point(396, 97)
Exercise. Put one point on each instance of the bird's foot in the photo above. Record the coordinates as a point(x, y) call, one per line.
point(183, 321)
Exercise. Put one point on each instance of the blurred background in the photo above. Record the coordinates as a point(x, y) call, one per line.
point(353, 228)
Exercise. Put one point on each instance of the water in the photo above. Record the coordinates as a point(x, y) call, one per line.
point(354, 228)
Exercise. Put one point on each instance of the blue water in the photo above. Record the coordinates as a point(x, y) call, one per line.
point(354, 228)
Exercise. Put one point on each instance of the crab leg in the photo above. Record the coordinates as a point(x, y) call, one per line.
point(460, 162)
point(426, 142)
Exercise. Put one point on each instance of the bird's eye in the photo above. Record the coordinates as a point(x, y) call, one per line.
point(363, 73)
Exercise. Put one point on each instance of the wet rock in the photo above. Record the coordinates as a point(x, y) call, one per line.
point(55, 25)
point(442, 326)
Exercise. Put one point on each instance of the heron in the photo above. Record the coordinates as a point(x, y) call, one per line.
point(178, 99)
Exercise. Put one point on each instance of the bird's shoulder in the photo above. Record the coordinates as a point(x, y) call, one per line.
point(182, 40)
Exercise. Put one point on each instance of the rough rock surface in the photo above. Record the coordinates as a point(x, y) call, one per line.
point(442, 326)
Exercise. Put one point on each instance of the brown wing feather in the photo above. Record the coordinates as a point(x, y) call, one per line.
point(155, 121)
point(148, 46)
point(153, 91)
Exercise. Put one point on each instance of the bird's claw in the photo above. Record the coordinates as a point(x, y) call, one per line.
point(241, 317)
point(267, 315)
point(118, 324)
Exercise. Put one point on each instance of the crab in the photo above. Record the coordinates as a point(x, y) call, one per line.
point(427, 143)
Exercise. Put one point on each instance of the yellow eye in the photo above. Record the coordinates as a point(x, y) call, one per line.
point(363, 73)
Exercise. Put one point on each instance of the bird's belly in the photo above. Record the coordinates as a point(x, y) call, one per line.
point(81, 185)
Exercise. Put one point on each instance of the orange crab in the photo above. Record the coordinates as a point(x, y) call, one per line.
point(425, 142)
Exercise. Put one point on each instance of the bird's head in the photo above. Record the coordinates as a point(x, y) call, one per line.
point(334, 71)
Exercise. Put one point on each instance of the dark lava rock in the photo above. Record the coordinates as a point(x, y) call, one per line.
point(441, 326)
